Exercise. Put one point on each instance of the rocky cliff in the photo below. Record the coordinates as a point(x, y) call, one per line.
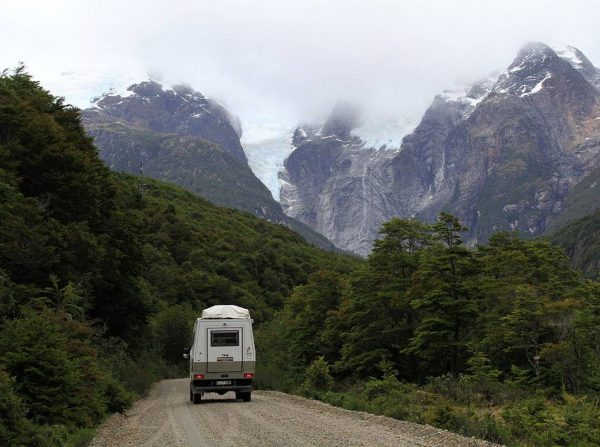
point(506, 153)
point(180, 136)
point(178, 110)
point(336, 185)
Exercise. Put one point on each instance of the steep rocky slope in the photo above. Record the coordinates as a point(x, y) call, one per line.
point(179, 110)
point(336, 185)
point(180, 136)
point(504, 154)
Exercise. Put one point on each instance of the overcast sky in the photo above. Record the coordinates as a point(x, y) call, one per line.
point(286, 60)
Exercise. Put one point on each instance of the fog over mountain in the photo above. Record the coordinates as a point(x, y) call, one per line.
point(276, 63)
point(289, 60)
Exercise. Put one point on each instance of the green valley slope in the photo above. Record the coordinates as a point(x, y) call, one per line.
point(100, 284)
point(180, 136)
point(581, 240)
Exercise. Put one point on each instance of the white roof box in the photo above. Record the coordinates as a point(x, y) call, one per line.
point(225, 311)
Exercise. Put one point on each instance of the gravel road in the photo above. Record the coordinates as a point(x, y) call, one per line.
point(167, 418)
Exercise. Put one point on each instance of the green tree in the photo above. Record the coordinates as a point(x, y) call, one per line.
point(445, 293)
point(377, 315)
point(317, 376)
point(172, 327)
point(15, 429)
point(528, 304)
point(308, 311)
point(54, 368)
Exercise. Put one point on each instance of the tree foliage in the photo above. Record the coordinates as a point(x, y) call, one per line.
point(499, 337)
point(99, 285)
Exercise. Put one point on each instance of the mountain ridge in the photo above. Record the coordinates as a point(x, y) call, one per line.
point(181, 136)
point(500, 155)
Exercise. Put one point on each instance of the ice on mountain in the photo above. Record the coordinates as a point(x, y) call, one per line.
point(378, 130)
point(127, 93)
point(453, 95)
point(266, 159)
point(267, 142)
point(570, 54)
point(469, 95)
point(536, 88)
point(302, 132)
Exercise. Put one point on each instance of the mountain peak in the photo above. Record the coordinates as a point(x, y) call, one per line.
point(146, 88)
point(178, 110)
point(535, 64)
point(343, 118)
point(532, 56)
point(575, 57)
point(536, 48)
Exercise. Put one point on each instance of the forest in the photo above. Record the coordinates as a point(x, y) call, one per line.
point(103, 274)
point(500, 342)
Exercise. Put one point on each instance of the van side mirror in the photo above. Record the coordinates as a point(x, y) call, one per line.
point(186, 353)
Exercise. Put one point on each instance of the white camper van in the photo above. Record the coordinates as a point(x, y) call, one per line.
point(222, 356)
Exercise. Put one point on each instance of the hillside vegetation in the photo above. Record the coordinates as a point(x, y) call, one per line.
point(100, 284)
point(500, 342)
point(581, 241)
point(179, 136)
point(103, 274)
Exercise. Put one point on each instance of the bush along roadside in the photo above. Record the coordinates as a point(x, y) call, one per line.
point(500, 341)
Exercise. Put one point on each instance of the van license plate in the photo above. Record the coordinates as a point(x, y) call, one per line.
point(223, 382)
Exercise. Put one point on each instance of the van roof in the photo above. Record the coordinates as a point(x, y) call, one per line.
point(225, 311)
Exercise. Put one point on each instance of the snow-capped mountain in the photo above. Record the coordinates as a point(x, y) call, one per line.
point(179, 135)
point(178, 109)
point(503, 153)
point(268, 143)
point(579, 62)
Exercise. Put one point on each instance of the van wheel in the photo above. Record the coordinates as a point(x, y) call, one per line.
point(246, 397)
point(196, 398)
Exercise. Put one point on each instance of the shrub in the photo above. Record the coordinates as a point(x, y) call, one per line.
point(317, 376)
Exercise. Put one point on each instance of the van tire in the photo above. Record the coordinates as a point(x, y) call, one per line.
point(246, 397)
point(196, 398)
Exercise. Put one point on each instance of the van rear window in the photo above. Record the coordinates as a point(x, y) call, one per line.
point(224, 338)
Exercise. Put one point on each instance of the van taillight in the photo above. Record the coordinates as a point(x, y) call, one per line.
point(248, 375)
point(198, 376)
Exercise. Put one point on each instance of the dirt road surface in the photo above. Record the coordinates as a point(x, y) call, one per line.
point(167, 418)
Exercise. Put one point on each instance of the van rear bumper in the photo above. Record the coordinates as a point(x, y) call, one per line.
point(210, 386)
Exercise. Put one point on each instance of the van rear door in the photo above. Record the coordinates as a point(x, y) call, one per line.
point(224, 351)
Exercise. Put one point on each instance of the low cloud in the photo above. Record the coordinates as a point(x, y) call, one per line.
point(291, 60)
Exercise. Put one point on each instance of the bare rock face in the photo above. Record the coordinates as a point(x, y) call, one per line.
point(179, 110)
point(334, 184)
point(180, 136)
point(504, 154)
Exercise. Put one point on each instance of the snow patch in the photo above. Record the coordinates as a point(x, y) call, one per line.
point(267, 144)
point(377, 131)
point(469, 95)
point(538, 87)
point(570, 54)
